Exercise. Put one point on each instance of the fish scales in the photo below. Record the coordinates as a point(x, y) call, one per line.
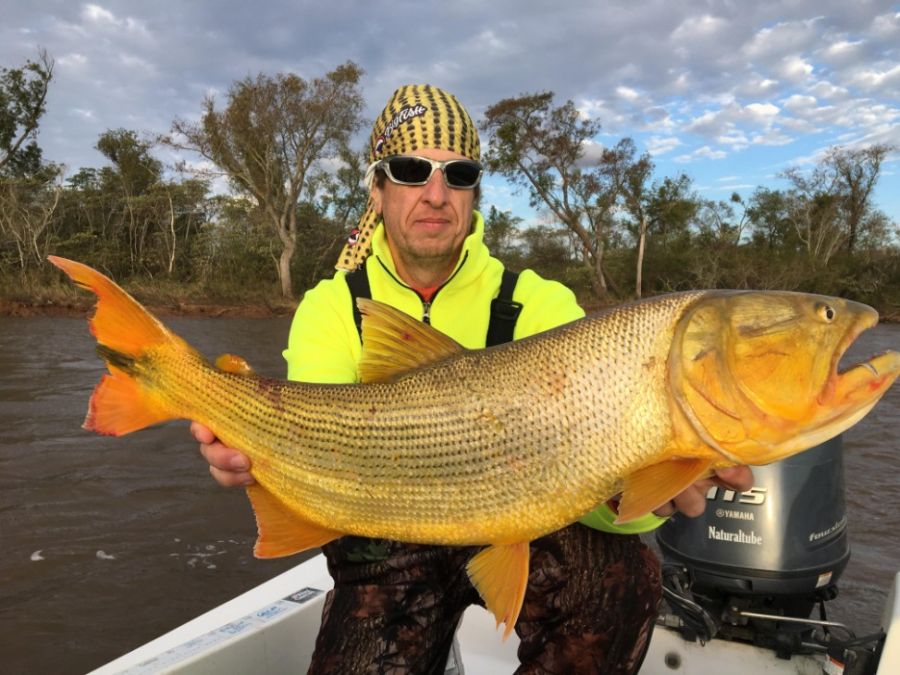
point(476, 436)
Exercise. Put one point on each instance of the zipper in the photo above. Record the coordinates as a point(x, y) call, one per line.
point(426, 304)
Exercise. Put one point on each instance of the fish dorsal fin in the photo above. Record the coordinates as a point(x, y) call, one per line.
point(394, 343)
point(281, 531)
point(652, 486)
point(236, 365)
point(500, 574)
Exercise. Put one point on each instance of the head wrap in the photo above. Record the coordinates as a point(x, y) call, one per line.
point(417, 116)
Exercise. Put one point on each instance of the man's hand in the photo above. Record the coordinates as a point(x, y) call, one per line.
point(228, 466)
point(692, 502)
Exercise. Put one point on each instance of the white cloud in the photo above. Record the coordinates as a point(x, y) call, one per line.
point(773, 137)
point(798, 103)
point(627, 93)
point(104, 19)
point(842, 52)
point(781, 39)
point(701, 27)
point(72, 61)
point(735, 138)
point(709, 153)
point(886, 26)
point(825, 89)
point(761, 112)
point(97, 14)
point(705, 152)
point(758, 86)
point(591, 152)
point(696, 79)
point(659, 145)
point(871, 80)
point(795, 69)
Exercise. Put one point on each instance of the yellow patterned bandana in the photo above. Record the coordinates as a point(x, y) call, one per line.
point(417, 116)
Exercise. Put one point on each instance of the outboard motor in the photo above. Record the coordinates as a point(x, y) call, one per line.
point(785, 539)
point(755, 564)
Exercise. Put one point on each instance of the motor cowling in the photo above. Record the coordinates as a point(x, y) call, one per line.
point(784, 540)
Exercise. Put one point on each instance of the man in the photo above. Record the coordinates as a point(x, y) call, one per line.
point(592, 593)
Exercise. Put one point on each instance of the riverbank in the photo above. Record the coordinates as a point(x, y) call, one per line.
point(162, 300)
point(68, 302)
point(188, 308)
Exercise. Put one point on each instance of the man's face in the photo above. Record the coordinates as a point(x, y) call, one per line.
point(425, 225)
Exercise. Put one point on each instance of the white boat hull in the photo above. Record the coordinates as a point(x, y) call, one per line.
point(271, 630)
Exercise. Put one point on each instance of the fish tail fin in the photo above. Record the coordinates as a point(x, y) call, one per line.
point(124, 331)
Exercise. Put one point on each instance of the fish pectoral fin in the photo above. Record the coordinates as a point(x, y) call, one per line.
point(394, 342)
point(281, 531)
point(500, 574)
point(652, 486)
point(236, 365)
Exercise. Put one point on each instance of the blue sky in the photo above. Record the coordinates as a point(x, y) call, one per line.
point(732, 93)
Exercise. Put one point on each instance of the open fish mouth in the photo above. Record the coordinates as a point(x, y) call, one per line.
point(841, 366)
point(870, 376)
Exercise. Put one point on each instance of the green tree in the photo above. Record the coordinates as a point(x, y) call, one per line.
point(28, 207)
point(540, 148)
point(831, 205)
point(23, 100)
point(269, 137)
point(628, 177)
point(132, 177)
point(502, 234)
point(857, 172)
point(769, 221)
point(335, 199)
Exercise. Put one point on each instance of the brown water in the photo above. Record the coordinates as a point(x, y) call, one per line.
point(106, 543)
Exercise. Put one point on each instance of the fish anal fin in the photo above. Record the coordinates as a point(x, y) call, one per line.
point(654, 485)
point(119, 405)
point(236, 365)
point(282, 532)
point(500, 574)
point(394, 342)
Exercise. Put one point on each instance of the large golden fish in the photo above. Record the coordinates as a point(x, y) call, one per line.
point(496, 447)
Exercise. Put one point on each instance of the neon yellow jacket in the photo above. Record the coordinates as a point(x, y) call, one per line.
point(324, 344)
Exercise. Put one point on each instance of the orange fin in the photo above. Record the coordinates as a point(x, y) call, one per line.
point(394, 342)
point(119, 406)
point(500, 574)
point(651, 487)
point(281, 531)
point(235, 365)
point(125, 331)
point(120, 322)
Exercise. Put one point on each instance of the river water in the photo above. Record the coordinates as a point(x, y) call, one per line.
point(106, 543)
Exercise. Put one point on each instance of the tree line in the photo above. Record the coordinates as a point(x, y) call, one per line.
point(276, 186)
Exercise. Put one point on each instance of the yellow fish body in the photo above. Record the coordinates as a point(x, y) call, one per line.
point(497, 447)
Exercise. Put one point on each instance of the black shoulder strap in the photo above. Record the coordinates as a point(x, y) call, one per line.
point(504, 312)
point(358, 283)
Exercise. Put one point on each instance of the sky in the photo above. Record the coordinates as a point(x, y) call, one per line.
point(730, 92)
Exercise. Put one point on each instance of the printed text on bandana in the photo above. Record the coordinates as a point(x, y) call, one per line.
point(406, 114)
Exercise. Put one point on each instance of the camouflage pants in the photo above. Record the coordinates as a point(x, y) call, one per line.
point(589, 608)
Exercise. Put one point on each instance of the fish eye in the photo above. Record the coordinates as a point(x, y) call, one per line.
point(825, 312)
